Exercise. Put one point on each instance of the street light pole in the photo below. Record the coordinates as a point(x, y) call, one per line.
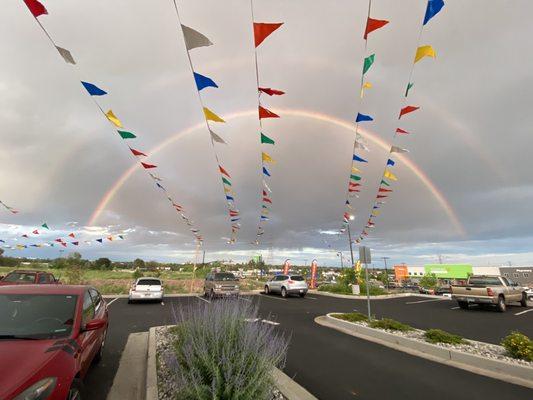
point(350, 239)
point(386, 274)
point(340, 254)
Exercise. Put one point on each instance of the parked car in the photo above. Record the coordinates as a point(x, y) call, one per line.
point(287, 285)
point(445, 291)
point(423, 290)
point(529, 293)
point(146, 289)
point(484, 289)
point(26, 277)
point(49, 336)
point(221, 284)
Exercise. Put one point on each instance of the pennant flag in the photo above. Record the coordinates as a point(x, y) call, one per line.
point(355, 170)
point(368, 63)
point(390, 175)
point(226, 181)
point(401, 131)
point(72, 235)
point(193, 38)
point(25, 236)
point(266, 158)
point(227, 190)
point(366, 85)
point(126, 135)
point(433, 8)
point(381, 197)
point(35, 7)
point(110, 238)
point(45, 225)
point(233, 213)
point(424, 51)
point(357, 158)
point(75, 243)
point(266, 140)
point(35, 232)
point(203, 81)
point(373, 24)
point(267, 200)
point(266, 186)
point(263, 30)
point(155, 178)
point(59, 240)
point(160, 186)
point(384, 182)
point(137, 152)
point(362, 117)
point(265, 172)
point(230, 198)
point(93, 89)
point(271, 92)
point(383, 190)
point(148, 166)
point(99, 240)
point(353, 184)
point(263, 218)
point(223, 171)
point(121, 237)
point(63, 244)
point(355, 177)
point(67, 56)
point(396, 149)
point(409, 86)
point(390, 163)
point(264, 113)
point(211, 116)
point(407, 110)
point(216, 138)
point(114, 120)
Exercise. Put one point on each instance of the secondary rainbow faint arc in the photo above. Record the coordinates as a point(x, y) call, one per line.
point(415, 169)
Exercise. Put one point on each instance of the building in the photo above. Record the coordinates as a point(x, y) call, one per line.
point(521, 275)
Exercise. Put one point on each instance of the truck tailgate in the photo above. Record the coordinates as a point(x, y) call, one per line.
point(469, 291)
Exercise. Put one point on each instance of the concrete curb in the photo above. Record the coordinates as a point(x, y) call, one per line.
point(501, 370)
point(380, 297)
point(125, 296)
point(290, 389)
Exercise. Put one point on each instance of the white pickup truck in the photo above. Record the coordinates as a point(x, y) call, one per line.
point(483, 289)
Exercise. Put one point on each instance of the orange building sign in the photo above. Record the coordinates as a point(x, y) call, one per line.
point(400, 272)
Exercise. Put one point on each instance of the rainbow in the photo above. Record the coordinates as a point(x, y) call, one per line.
point(411, 166)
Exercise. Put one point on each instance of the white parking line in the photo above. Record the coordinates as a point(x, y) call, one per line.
point(422, 301)
point(266, 321)
point(245, 299)
point(201, 298)
point(454, 308)
point(272, 297)
point(312, 298)
point(523, 312)
point(162, 303)
point(115, 299)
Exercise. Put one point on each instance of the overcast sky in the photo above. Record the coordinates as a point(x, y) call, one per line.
point(471, 138)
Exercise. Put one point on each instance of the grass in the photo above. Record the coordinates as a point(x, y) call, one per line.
point(345, 289)
point(351, 317)
point(390, 324)
point(440, 336)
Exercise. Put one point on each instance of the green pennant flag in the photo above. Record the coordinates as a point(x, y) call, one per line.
point(355, 177)
point(266, 139)
point(45, 225)
point(368, 63)
point(384, 182)
point(226, 181)
point(126, 135)
point(409, 86)
point(265, 207)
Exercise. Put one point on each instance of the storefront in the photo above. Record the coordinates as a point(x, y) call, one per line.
point(448, 274)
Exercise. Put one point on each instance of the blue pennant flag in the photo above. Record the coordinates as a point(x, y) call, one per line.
point(390, 162)
point(235, 219)
point(375, 207)
point(363, 117)
point(347, 202)
point(357, 158)
point(93, 89)
point(203, 81)
point(159, 186)
point(263, 218)
point(433, 8)
point(265, 171)
point(99, 240)
point(230, 198)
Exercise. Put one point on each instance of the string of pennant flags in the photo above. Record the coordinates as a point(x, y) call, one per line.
point(37, 9)
point(9, 208)
point(194, 39)
point(389, 177)
point(262, 30)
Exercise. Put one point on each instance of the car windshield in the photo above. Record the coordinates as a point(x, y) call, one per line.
point(224, 276)
point(37, 316)
point(297, 278)
point(20, 277)
point(485, 281)
point(149, 282)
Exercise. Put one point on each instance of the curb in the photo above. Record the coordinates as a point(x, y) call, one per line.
point(125, 296)
point(289, 388)
point(379, 297)
point(496, 369)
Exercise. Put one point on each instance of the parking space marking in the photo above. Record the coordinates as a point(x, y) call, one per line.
point(245, 299)
point(201, 298)
point(523, 312)
point(422, 301)
point(312, 298)
point(111, 302)
point(162, 303)
point(266, 321)
point(272, 297)
point(454, 308)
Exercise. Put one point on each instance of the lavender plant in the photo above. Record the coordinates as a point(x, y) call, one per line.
point(222, 351)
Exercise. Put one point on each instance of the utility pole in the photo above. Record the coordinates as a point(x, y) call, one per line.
point(203, 259)
point(386, 273)
point(340, 254)
point(350, 239)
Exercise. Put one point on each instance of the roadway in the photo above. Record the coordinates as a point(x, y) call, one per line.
point(333, 365)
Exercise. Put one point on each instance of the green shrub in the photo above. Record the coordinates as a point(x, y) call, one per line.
point(137, 274)
point(335, 288)
point(390, 324)
point(352, 317)
point(440, 336)
point(519, 346)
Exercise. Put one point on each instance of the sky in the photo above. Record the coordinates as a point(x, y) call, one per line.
point(464, 190)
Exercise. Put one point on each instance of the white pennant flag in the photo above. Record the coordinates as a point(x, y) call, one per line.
point(266, 186)
point(396, 149)
point(194, 39)
point(216, 138)
point(67, 56)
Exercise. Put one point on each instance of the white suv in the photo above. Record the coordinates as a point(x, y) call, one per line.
point(286, 285)
point(146, 289)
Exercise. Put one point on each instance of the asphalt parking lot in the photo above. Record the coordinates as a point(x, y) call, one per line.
point(332, 365)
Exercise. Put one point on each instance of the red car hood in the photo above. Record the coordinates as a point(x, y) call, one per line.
point(22, 359)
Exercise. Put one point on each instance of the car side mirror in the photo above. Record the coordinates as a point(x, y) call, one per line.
point(95, 324)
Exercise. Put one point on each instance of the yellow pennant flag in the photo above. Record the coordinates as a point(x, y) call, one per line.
point(113, 118)
point(366, 85)
point(389, 175)
point(227, 190)
point(211, 116)
point(424, 51)
point(375, 213)
point(355, 170)
point(267, 158)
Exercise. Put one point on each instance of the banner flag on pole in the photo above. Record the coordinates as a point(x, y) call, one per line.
point(266, 158)
point(223, 171)
point(359, 159)
point(424, 51)
point(226, 182)
point(400, 131)
point(366, 85)
point(216, 138)
point(138, 153)
point(390, 163)
point(265, 172)
point(194, 39)
point(211, 116)
point(433, 8)
point(262, 30)
point(93, 89)
point(368, 63)
point(384, 182)
point(355, 177)
point(390, 175)
point(148, 166)
point(373, 24)
point(407, 110)
point(35, 7)
point(67, 56)
point(126, 135)
point(203, 81)
point(265, 139)
point(264, 113)
point(113, 118)
point(271, 92)
point(362, 117)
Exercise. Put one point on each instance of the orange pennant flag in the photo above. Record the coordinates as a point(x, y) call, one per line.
point(263, 30)
point(264, 113)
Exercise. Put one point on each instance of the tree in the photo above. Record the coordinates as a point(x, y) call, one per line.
point(1, 252)
point(138, 263)
point(428, 281)
point(74, 256)
point(102, 263)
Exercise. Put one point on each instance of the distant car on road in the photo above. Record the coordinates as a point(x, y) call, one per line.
point(221, 284)
point(146, 289)
point(28, 277)
point(287, 285)
point(484, 289)
point(49, 336)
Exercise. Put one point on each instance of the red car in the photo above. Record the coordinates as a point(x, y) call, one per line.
point(28, 277)
point(49, 336)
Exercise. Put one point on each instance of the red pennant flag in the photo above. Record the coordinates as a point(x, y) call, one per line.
point(233, 213)
point(271, 91)
point(223, 171)
point(177, 206)
point(148, 166)
point(354, 184)
point(137, 152)
point(354, 190)
point(267, 200)
point(379, 196)
point(263, 30)
point(59, 240)
point(365, 233)
point(384, 190)
point(373, 24)
point(400, 131)
point(265, 193)
point(72, 235)
point(63, 244)
point(35, 7)
point(75, 243)
point(110, 238)
point(35, 232)
point(407, 110)
point(264, 113)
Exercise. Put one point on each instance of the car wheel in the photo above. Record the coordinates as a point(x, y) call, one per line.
point(303, 294)
point(74, 393)
point(267, 290)
point(130, 301)
point(212, 294)
point(523, 302)
point(463, 305)
point(501, 304)
point(283, 292)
